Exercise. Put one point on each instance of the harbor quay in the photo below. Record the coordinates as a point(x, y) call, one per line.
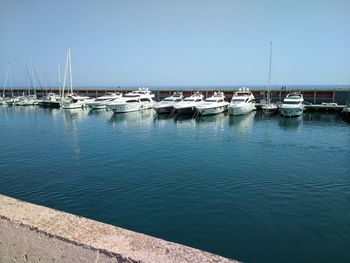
point(33, 233)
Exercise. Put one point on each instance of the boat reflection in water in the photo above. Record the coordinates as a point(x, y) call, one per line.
point(138, 118)
point(212, 121)
point(100, 114)
point(290, 123)
point(71, 128)
point(72, 115)
point(242, 123)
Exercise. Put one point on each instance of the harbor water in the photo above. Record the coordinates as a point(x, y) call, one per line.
point(252, 188)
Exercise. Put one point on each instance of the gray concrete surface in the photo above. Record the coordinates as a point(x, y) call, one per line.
point(32, 233)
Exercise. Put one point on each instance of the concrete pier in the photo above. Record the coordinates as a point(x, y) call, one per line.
point(32, 233)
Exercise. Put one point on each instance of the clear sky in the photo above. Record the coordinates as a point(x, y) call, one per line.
point(178, 42)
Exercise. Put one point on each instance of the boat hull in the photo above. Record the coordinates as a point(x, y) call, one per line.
point(241, 110)
point(50, 104)
point(98, 106)
point(212, 110)
point(291, 112)
point(130, 107)
point(164, 109)
point(72, 106)
point(186, 110)
point(269, 109)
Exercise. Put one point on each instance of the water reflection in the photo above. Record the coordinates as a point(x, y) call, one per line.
point(138, 118)
point(321, 117)
point(101, 114)
point(183, 118)
point(242, 123)
point(73, 115)
point(71, 119)
point(216, 122)
point(290, 123)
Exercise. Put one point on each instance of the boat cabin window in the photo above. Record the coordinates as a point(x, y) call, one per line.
point(145, 99)
point(220, 100)
point(177, 100)
point(188, 99)
point(291, 102)
point(132, 101)
point(242, 94)
point(131, 95)
point(237, 100)
point(198, 100)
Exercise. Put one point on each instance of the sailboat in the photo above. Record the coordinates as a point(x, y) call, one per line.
point(71, 100)
point(10, 100)
point(2, 99)
point(269, 108)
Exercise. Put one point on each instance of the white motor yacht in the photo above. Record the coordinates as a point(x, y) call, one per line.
point(75, 102)
point(213, 105)
point(293, 105)
point(242, 102)
point(101, 102)
point(189, 104)
point(166, 105)
point(136, 100)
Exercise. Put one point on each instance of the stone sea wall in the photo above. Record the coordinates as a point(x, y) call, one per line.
point(33, 233)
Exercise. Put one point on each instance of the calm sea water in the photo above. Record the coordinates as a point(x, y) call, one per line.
point(251, 188)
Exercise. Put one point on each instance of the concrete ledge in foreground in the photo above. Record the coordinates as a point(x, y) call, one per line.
point(32, 233)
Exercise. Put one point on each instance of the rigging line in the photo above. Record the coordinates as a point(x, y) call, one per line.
point(37, 78)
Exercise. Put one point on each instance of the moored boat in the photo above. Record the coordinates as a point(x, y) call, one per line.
point(167, 104)
point(136, 100)
point(293, 105)
point(189, 104)
point(51, 100)
point(101, 102)
point(213, 105)
point(75, 102)
point(242, 102)
point(268, 107)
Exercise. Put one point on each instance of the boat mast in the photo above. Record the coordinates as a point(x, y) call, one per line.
point(65, 76)
point(70, 71)
point(29, 79)
point(269, 86)
point(32, 77)
point(59, 79)
point(6, 77)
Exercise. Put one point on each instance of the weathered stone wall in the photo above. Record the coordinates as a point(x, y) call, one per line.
point(32, 233)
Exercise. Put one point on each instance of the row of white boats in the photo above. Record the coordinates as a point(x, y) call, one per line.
point(242, 102)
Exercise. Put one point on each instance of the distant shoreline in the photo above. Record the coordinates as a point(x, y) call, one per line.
point(201, 87)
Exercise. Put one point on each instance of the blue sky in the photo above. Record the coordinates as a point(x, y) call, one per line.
point(179, 42)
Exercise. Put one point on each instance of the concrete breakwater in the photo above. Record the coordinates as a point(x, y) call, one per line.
point(33, 233)
point(315, 96)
